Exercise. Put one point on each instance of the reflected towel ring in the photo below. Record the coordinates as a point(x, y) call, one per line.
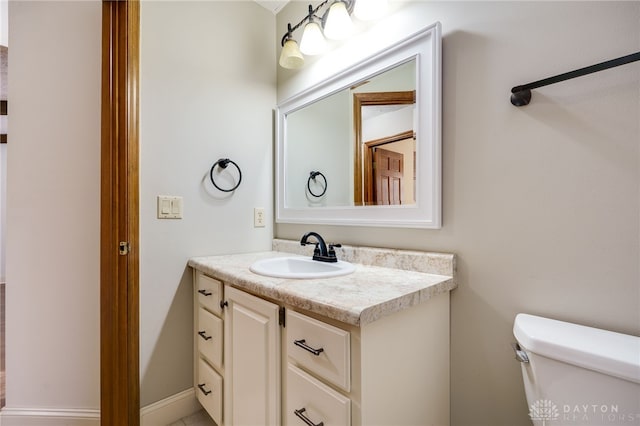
point(312, 176)
point(223, 163)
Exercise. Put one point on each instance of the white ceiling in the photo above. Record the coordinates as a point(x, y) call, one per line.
point(272, 5)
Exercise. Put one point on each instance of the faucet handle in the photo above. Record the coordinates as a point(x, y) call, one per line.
point(332, 252)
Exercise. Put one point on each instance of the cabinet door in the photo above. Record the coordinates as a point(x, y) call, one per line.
point(209, 390)
point(209, 337)
point(319, 348)
point(252, 360)
point(209, 292)
point(309, 401)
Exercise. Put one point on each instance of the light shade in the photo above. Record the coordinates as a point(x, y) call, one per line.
point(339, 25)
point(313, 42)
point(367, 10)
point(290, 57)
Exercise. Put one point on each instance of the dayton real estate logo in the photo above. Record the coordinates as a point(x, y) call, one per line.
point(543, 409)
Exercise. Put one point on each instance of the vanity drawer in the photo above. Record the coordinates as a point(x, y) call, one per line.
point(319, 348)
point(308, 397)
point(209, 337)
point(209, 293)
point(209, 390)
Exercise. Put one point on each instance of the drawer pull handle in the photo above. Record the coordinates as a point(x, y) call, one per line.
point(205, 292)
point(203, 390)
point(203, 334)
point(302, 343)
point(300, 414)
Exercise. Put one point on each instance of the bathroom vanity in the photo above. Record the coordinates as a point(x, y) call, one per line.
point(369, 348)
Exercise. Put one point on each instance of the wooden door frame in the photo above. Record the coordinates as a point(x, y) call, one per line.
point(360, 100)
point(119, 304)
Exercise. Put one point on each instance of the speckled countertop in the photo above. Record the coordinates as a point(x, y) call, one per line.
point(385, 280)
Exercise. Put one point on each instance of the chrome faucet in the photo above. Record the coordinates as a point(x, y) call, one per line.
point(321, 252)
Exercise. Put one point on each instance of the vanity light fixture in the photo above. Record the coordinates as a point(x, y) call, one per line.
point(313, 42)
point(338, 25)
point(290, 57)
point(334, 23)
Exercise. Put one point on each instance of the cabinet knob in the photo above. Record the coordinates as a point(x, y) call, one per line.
point(302, 344)
point(300, 414)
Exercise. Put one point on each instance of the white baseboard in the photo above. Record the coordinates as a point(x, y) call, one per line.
point(48, 417)
point(170, 409)
point(161, 413)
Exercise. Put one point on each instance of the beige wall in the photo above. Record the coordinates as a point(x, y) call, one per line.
point(207, 91)
point(4, 27)
point(541, 203)
point(53, 207)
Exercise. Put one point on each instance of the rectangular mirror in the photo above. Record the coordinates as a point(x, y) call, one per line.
point(364, 147)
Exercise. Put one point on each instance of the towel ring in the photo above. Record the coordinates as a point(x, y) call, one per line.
point(223, 163)
point(312, 176)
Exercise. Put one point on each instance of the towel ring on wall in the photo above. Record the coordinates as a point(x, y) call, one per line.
point(223, 163)
point(312, 176)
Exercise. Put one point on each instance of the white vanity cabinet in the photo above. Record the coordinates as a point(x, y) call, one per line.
point(312, 370)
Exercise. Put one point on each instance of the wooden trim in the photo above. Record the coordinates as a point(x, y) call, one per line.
point(119, 306)
point(372, 98)
point(391, 139)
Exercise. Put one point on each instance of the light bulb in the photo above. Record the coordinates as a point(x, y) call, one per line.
point(290, 57)
point(367, 10)
point(339, 25)
point(313, 42)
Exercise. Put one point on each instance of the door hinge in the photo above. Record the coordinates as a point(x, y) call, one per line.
point(124, 248)
point(281, 316)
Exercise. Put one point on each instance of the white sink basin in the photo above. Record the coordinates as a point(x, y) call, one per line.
point(300, 267)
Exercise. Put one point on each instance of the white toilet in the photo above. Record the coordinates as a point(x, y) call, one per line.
point(576, 375)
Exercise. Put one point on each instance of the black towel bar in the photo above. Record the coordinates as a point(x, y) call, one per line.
point(521, 95)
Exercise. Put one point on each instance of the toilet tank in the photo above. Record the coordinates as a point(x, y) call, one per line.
point(578, 375)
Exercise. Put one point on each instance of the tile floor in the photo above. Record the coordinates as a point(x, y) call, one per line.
point(197, 419)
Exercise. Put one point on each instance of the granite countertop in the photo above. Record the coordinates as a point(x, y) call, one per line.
point(365, 296)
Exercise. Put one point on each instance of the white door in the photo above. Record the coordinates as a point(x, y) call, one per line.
point(252, 361)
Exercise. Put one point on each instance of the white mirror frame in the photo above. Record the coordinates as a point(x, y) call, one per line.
point(425, 47)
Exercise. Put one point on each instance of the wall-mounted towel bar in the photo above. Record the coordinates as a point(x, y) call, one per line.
point(521, 95)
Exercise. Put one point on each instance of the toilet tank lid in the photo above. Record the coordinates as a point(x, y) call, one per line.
point(604, 351)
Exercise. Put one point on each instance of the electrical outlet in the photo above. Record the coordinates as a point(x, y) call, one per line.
point(258, 217)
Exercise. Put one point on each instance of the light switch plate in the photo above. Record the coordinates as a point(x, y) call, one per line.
point(169, 207)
